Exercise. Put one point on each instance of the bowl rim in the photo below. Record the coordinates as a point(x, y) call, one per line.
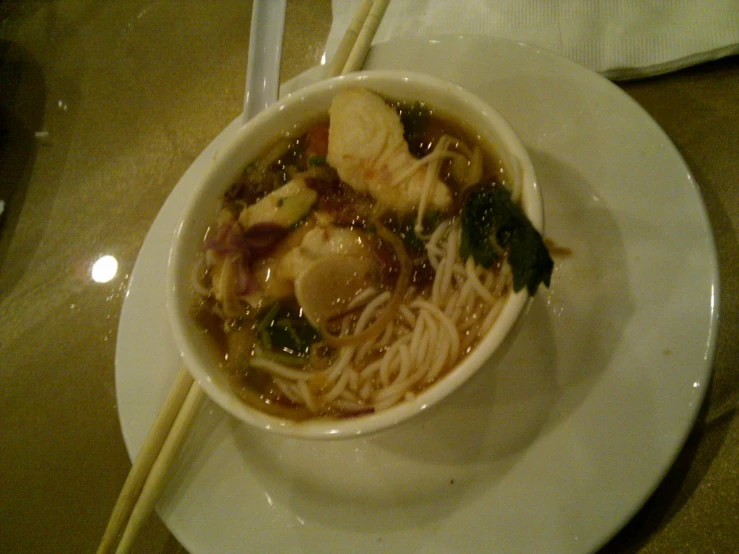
point(327, 428)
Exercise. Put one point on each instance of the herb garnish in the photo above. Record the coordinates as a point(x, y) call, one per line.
point(492, 225)
point(285, 336)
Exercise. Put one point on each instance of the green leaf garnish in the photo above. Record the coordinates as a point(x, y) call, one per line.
point(285, 335)
point(493, 226)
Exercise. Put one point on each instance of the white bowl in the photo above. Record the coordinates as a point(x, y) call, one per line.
point(291, 115)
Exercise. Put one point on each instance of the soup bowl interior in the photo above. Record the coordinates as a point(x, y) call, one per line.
point(290, 117)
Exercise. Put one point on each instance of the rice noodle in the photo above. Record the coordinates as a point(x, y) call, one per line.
point(408, 315)
point(279, 369)
point(385, 338)
point(370, 370)
point(362, 298)
point(421, 339)
point(338, 388)
point(491, 316)
point(452, 304)
point(307, 397)
point(416, 337)
point(429, 184)
point(341, 364)
point(286, 388)
point(445, 321)
point(350, 406)
point(475, 280)
point(405, 362)
point(353, 383)
point(433, 336)
point(364, 349)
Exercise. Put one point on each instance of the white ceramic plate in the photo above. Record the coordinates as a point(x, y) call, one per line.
point(555, 449)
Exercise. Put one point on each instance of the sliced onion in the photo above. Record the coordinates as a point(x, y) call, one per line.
point(228, 239)
point(260, 238)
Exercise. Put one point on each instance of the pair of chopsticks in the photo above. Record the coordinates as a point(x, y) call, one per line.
point(149, 472)
point(357, 39)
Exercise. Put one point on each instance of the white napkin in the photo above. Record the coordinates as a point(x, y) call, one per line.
point(622, 39)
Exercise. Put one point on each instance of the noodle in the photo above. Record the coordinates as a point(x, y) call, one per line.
point(445, 321)
point(287, 389)
point(405, 362)
point(353, 383)
point(476, 284)
point(332, 373)
point(362, 298)
point(491, 316)
point(408, 315)
point(280, 370)
point(370, 369)
point(421, 355)
point(338, 388)
point(307, 397)
point(430, 181)
point(385, 339)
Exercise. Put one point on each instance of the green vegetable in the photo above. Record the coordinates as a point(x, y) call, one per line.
point(285, 336)
point(415, 119)
point(316, 161)
point(406, 230)
point(493, 226)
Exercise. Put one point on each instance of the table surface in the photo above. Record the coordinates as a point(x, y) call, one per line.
point(104, 104)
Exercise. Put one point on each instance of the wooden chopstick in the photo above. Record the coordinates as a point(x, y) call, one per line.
point(357, 39)
point(148, 474)
point(146, 457)
point(361, 47)
point(350, 37)
point(157, 477)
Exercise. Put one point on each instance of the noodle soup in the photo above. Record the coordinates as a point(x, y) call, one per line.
point(354, 253)
point(351, 268)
